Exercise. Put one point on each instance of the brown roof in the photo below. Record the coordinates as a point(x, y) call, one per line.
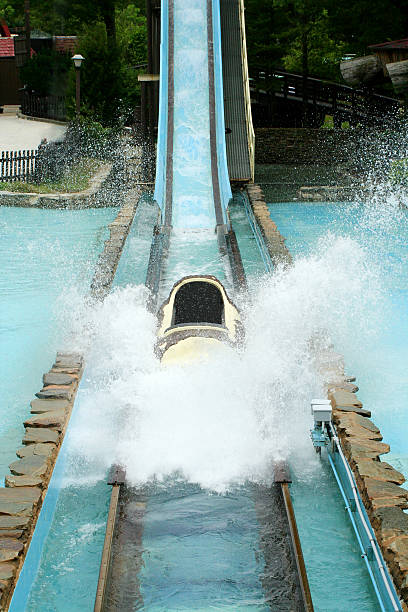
point(65, 44)
point(393, 44)
point(7, 47)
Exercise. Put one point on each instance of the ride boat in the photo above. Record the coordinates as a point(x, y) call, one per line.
point(197, 318)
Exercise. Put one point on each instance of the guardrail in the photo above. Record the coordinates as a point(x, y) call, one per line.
point(340, 101)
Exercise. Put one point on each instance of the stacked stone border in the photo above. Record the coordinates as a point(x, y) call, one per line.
point(26, 485)
point(275, 242)
point(92, 197)
point(361, 440)
point(378, 482)
point(109, 258)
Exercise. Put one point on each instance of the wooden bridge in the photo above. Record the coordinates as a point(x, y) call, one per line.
point(285, 99)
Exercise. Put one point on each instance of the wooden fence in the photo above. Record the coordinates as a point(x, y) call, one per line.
point(17, 165)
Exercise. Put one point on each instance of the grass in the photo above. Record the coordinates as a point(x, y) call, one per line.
point(75, 178)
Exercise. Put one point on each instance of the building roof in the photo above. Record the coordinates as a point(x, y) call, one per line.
point(392, 44)
point(6, 47)
point(65, 44)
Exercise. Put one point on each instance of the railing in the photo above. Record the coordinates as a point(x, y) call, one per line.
point(340, 101)
point(18, 165)
point(46, 107)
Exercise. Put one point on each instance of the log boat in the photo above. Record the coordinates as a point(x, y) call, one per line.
point(196, 319)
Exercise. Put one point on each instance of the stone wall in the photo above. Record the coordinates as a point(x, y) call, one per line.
point(26, 485)
point(304, 145)
point(275, 242)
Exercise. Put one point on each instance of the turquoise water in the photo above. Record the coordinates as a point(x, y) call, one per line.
point(44, 255)
point(378, 360)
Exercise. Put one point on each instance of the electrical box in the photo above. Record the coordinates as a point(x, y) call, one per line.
point(321, 410)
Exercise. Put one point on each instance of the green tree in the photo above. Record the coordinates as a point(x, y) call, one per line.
point(323, 53)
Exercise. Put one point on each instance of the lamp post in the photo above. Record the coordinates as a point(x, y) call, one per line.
point(78, 59)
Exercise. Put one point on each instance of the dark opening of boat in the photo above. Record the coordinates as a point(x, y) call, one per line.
point(198, 302)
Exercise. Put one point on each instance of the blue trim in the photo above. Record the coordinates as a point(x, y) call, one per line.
point(342, 471)
point(160, 183)
point(33, 559)
point(225, 187)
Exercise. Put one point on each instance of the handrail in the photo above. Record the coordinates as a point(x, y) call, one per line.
point(367, 531)
point(325, 82)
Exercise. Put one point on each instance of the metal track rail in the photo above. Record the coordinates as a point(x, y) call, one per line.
point(116, 479)
point(283, 478)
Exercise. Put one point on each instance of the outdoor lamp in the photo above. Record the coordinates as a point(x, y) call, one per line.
point(77, 59)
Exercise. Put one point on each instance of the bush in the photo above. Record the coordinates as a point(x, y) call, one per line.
point(399, 172)
point(46, 72)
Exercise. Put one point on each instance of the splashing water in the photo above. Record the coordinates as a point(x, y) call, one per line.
point(223, 422)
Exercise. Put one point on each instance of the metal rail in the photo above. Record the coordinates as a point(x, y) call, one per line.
point(370, 551)
point(116, 479)
point(283, 478)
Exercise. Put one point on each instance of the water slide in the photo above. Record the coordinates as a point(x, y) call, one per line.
point(193, 192)
point(192, 184)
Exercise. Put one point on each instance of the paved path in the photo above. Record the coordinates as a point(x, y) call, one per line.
point(18, 133)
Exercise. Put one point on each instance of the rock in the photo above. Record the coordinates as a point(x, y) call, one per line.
point(54, 378)
point(32, 494)
point(343, 387)
point(69, 360)
point(361, 411)
point(33, 465)
point(34, 435)
point(352, 424)
point(11, 533)
point(380, 490)
point(390, 521)
point(55, 393)
point(46, 450)
point(10, 549)
point(379, 470)
point(364, 449)
point(344, 398)
point(19, 501)
point(13, 522)
point(7, 570)
point(39, 406)
point(23, 481)
point(51, 419)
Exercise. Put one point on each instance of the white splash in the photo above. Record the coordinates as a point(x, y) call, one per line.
point(223, 422)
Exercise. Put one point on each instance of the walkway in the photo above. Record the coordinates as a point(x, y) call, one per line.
point(21, 134)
